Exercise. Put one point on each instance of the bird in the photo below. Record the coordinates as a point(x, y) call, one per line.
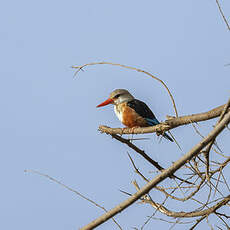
point(130, 111)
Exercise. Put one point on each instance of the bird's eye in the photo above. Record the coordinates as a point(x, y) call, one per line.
point(118, 95)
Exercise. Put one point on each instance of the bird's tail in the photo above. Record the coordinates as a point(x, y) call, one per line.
point(166, 136)
point(156, 122)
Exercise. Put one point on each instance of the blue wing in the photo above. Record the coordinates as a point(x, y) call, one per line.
point(144, 111)
point(152, 122)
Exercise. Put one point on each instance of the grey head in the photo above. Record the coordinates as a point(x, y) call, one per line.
point(121, 95)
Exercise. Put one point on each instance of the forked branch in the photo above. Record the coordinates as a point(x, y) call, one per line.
point(159, 178)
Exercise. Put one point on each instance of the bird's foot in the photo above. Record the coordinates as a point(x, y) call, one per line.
point(132, 129)
point(123, 130)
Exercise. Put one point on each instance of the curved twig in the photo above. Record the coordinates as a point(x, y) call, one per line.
point(132, 68)
point(205, 212)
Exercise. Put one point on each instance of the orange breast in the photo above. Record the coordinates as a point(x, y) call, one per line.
point(131, 119)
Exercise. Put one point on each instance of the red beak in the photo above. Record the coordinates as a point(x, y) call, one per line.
point(108, 101)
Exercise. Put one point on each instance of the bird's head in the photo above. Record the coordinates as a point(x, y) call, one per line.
point(117, 96)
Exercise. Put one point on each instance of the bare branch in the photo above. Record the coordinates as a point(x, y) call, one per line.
point(208, 148)
point(143, 154)
point(205, 212)
point(159, 178)
point(197, 222)
point(162, 209)
point(137, 170)
point(169, 124)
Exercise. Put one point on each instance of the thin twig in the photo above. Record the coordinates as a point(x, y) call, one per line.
point(222, 14)
point(143, 154)
point(137, 170)
point(197, 222)
point(72, 190)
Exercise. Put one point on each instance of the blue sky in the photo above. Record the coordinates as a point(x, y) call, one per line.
point(49, 119)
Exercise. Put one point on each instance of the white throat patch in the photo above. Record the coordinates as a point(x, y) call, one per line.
point(118, 112)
